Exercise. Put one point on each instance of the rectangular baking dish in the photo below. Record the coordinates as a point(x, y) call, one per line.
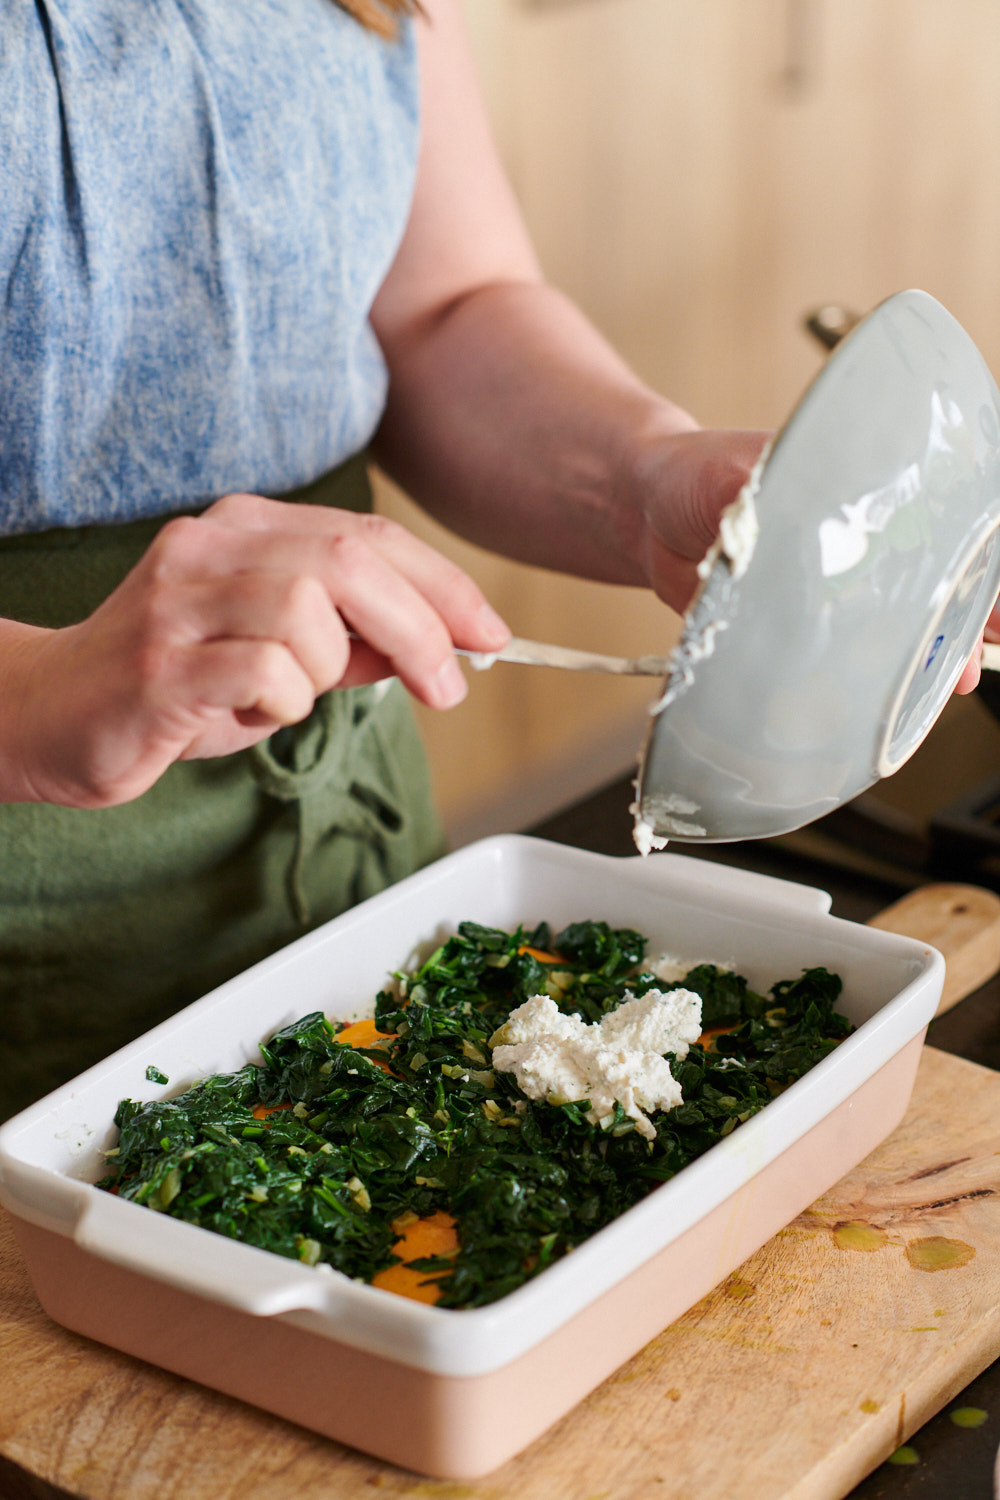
point(455, 1394)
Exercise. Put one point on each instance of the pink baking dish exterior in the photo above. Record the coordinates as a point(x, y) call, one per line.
point(456, 1394)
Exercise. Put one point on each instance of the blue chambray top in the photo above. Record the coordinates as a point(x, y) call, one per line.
point(198, 202)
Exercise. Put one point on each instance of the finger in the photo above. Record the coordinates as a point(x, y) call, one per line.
point(971, 672)
point(687, 483)
point(259, 682)
point(366, 665)
point(366, 589)
point(710, 468)
point(395, 620)
point(455, 596)
point(293, 610)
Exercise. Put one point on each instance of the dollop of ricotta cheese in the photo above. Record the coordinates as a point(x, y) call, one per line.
point(619, 1059)
point(670, 968)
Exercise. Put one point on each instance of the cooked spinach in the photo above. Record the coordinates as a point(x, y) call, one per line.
point(357, 1137)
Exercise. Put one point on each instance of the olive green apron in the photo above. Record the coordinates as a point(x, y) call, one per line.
point(111, 920)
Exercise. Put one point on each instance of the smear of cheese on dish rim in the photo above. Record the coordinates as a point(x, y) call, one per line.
point(739, 529)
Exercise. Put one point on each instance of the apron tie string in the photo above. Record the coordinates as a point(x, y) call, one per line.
point(297, 766)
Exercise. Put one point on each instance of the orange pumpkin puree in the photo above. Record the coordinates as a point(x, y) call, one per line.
point(435, 1235)
point(707, 1038)
point(365, 1034)
point(261, 1111)
point(362, 1033)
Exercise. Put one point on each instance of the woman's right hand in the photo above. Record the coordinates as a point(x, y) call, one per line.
point(229, 627)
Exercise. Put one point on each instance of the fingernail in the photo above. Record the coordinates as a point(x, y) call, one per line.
point(493, 627)
point(450, 686)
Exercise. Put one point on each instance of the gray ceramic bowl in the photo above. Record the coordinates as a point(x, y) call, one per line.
point(802, 679)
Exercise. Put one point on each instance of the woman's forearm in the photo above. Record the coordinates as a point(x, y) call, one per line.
point(509, 416)
point(515, 423)
point(18, 651)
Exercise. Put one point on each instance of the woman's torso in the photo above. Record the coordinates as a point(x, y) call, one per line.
point(201, 199)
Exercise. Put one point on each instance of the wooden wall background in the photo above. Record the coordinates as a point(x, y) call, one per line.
point(699, 176)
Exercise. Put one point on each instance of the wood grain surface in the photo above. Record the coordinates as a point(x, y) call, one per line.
point(792, 1380)
point(962, 921)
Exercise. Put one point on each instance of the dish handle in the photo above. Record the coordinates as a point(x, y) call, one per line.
point(195, 1260)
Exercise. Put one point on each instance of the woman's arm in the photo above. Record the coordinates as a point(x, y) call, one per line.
point(508, 414)
point(229, 626)
point(509, 417)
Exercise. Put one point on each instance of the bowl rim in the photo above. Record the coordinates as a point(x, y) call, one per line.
point(707, 610)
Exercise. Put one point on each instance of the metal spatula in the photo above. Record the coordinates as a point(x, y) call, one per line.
point(538, 654)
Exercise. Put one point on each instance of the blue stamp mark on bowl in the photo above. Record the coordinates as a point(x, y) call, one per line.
point(938, 643)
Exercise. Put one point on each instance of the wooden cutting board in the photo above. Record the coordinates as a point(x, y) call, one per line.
point(791, 1381)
